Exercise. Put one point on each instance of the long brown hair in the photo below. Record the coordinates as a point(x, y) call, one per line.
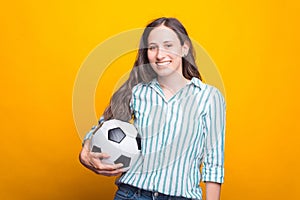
point(118, 107)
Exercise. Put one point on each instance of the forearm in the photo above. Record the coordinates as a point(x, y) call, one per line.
point(213, 191)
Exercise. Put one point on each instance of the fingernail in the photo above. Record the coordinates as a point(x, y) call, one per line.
point(120, 165)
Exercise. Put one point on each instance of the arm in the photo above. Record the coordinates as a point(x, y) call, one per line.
point(92, 160)
point(213, 191)
point(213, 163)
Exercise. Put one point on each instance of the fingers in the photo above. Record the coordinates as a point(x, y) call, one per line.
point(93, 161)
point(98, 165)
point(107, 169)
point(98, 155)
point(116, 172)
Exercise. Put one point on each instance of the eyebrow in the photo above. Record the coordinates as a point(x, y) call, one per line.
point(167, 41)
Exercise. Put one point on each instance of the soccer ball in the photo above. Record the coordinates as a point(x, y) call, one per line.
point(120, 140)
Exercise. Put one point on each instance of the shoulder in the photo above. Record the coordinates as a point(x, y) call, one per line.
point(139, 91)
point(210, 92)
point(207, 86)
point(216, 98)
point(214, 91)
point(204, 87)
point(140, 87)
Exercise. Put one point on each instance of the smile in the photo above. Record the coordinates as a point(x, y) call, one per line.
point(164, 63)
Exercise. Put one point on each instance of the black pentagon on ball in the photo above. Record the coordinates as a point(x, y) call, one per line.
point(138, 141)
point(116, 135)
point(96, 149)
point(124, 160)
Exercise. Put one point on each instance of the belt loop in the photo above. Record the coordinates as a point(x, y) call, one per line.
point(139, 193)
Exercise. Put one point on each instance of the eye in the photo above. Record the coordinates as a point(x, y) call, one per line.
point(168, 45)
point(152, 47)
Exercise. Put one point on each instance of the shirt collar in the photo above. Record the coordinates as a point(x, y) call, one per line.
point(195, 81)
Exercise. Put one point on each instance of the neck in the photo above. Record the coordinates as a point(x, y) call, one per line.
point(174, 83)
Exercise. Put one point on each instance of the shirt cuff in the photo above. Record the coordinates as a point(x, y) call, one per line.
point(90, 133)
point(213, 174)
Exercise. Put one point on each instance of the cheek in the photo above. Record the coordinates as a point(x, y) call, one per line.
point(151, 56)
point(177, 61)
point(176, 52)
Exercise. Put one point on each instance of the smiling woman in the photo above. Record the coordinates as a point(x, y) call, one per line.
point(165, 54)
point(180, 119)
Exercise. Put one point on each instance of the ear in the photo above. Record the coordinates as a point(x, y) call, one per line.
point(185, 49)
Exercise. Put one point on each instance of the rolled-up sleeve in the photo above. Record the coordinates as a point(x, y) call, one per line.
point(89, 134)
point(215, 119)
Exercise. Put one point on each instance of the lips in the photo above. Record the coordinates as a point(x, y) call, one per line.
point(163, 63)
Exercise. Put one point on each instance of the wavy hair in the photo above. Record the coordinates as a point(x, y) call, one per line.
point(142, 71)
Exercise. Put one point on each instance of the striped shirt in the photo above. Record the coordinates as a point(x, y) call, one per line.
point(178, 135)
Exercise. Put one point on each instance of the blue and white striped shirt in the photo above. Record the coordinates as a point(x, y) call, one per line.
point(178, 135)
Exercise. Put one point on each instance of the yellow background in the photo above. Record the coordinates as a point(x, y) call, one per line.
point(255, 45)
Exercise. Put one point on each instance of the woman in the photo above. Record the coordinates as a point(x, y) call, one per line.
point(180, 119)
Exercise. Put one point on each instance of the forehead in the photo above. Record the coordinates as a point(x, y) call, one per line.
point(161, 34)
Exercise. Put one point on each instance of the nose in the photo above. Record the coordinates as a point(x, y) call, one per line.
point(160, 53)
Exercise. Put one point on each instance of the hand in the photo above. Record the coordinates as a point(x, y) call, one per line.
point(91, 160)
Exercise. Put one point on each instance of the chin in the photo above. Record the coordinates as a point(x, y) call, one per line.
point(164, 73)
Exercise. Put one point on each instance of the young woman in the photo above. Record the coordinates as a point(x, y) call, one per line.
point(180, 119)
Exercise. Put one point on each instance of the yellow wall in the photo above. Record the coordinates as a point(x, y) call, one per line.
point(255, 45)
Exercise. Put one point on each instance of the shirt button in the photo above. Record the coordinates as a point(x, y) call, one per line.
point(155, 194)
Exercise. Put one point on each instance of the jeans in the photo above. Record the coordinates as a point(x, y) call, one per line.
point(127, 192)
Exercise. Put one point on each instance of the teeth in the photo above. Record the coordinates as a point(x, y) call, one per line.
point(163, 63)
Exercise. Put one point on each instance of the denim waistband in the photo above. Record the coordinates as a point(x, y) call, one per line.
point(129, 190)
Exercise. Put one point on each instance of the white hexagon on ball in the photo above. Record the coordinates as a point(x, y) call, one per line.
point(118, 139)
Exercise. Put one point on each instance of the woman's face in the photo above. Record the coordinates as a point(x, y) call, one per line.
point(165, 51)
